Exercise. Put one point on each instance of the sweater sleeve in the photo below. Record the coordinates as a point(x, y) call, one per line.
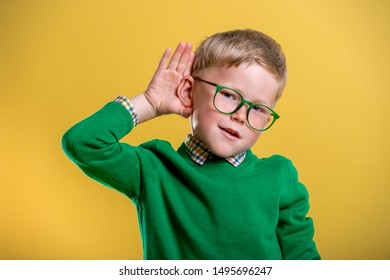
point(93, 145)
point(295, 230)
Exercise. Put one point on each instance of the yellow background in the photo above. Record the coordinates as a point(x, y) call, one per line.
point(62, 60)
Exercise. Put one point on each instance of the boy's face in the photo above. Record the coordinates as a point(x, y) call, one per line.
point(228, 135)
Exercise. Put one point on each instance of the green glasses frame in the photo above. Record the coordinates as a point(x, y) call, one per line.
point(243, 101)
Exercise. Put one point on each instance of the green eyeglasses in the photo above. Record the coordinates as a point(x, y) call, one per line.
point(228, 101)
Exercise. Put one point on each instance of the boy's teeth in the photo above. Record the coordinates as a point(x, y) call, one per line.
point(231, 132)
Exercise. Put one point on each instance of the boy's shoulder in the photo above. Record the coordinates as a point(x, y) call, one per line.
point(281, 160)
point(159, 147)
point(274, 160)
point(276, 164)
point(157, 144)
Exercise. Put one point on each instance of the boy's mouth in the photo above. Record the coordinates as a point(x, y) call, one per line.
point(231, 132)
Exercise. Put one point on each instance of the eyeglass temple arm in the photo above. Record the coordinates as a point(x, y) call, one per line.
point(207, 82)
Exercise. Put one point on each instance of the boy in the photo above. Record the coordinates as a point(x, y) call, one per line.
point(212, 198)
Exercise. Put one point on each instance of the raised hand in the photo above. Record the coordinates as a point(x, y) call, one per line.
point(161, 92)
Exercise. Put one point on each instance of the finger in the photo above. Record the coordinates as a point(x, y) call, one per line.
point(164, 59)
point(188, 69)
point(184, 59)
point(177, 55)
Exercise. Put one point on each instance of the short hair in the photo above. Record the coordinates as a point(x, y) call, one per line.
point(232, 48)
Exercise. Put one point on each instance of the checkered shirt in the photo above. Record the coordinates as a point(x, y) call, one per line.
point(199, 152)
point(127, 104)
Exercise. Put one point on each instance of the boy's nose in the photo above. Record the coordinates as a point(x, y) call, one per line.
point(240, 115)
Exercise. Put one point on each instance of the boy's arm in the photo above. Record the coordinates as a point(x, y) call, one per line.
point(93, 144)
point(295, 230)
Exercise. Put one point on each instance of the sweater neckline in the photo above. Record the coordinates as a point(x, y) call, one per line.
point(214, 160)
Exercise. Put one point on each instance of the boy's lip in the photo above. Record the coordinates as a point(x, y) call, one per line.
point(231, 132)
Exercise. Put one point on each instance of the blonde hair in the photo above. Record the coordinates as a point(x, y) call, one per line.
point(232, 48)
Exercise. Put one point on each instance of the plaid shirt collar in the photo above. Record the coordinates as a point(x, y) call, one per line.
point(199, 152)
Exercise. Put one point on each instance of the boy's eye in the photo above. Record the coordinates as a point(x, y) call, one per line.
point(229, 95)
point(260, 109)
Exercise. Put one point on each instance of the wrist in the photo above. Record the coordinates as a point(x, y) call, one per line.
point(143, 108)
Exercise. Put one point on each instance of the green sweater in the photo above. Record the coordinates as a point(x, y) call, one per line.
point(186, 211)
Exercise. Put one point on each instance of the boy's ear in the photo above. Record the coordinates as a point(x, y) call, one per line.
point(184, 91)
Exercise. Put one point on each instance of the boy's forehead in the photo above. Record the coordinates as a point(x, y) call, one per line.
point(251, 83)
point(219, 70)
